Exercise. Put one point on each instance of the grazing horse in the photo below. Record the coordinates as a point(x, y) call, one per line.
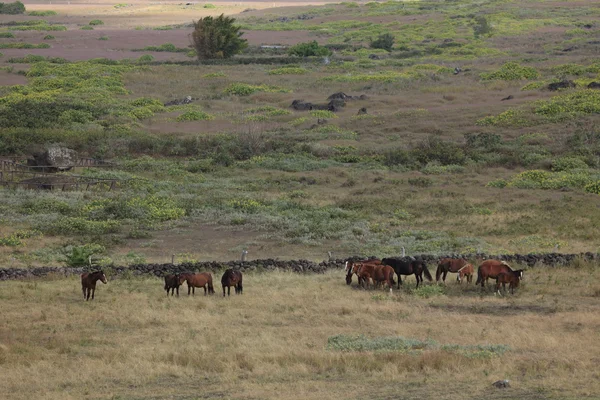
point(172, 284)
point(88, 283)
point(512, 278)
point(203, 280)
point(349, 268)
point(448, 265)
point(378, 273)
point(232, 277)
point(468, 270)
point(408, 267)
point(491, 269)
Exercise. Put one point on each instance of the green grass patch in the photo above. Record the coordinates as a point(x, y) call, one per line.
point(166, 47)
point(245, 89)
point(511, 71)
point(288, 71)
point(47, 13)
point(21, 45)
point(95, 22)
point(194, 116)
point(7, 35)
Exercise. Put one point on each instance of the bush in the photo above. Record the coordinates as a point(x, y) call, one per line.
point(194, 116)
point(511, 71)
point(568, 163)
point(217, 38)
point(593, 187)
point(209, 5)
point(87, 28)
point(79, 256)
point(385, 42)
point(42, 13)
point(12, 8)
point(96, 22)
point(146, 58)
point(481, 27)
point(7, 35)
point(49, 37)
point(244, 89)
point(309, 49)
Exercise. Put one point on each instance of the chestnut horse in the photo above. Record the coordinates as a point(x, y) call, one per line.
point(232, 277)
point(377, 273)
point(408, 266)
point(468, 270)
point(172, 284)
point(491, 269)
point(88, 283)
point(203, 280)
point(349, 268)
point(512, 278)
point(448, 265)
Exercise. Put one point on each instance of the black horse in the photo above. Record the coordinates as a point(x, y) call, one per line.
point(408, 266)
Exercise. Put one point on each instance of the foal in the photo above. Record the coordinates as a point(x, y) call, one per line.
point(203, 280)
point(88, 283)
point(468, 270)
point(513, 278)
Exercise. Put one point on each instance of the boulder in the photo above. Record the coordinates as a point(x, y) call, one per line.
point(594, 85)
point(301, 105)
point(564, 84)
point(54, 159)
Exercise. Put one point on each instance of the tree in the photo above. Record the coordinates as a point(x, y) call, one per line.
point(217, 38)
point(12, 8)
point(385, 41)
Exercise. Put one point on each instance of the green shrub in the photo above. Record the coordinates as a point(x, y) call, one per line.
point(87, 28)
point(194, 116)
point(21, 45)
point(568, 163)
point(103, 38)
point(120, 5)
point(593, 187)
point(12, 8)
point(384, 41)
point(308, 49)
point(481, 27)
point(79, 256)
point(219, 74)
point(166, 47)
point(47, 13)
point(6, 35)
point(288, 71)
point(38, 27)
point(511, 71)
point(244, 89)
point(498, 183)
point(96, 22)
point(209, 5)
point(49, 37)
point(322, 114)
point(146, 58)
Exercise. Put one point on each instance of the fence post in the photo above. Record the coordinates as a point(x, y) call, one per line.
point(172, 258)
point(244, 254)
point(403, 252)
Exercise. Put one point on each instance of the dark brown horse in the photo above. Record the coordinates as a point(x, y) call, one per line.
point(448, 265)
point(202, 279)
point(467, 271)
point(408, 266)
point(491, 269)
point(232, 277)
point(172, 284)
point(88, 283)
point(512, 278)
point(349, 268)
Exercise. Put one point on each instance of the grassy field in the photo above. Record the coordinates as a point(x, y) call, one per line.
point(302, 336)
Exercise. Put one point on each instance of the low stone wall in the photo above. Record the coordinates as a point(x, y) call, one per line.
point(299, 266)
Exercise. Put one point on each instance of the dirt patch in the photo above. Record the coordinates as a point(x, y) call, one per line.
point(496, 309)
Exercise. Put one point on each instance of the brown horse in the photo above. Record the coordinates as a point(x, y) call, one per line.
point(513, 279)
point(172, 284)
point(349, 268)
point(448, 265)
point(203, 280)
point(232, 277)
point(378, 274)
point(88, 283)
point(468, 270)
point(491, 269)
point(408, 266)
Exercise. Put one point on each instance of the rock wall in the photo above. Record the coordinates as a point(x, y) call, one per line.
point(299, 266)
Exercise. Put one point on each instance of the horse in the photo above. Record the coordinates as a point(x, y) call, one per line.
point(468, 270)
point(377, 273)
point(230, 278)
point(491, 269)
point(448, 265)
point(512, 278)
point(408, 267)
point(202, 279)
point(88, 283)
point(349, 264)
point(172, 284)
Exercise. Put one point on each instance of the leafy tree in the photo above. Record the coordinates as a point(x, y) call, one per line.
point(217, 38)
point(309, 49)
point(12, 8)
point(481, 27)
point(385, 41)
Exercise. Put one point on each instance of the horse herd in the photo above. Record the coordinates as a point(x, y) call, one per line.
point(376, 272)
point(203, 280)
point(369, 272)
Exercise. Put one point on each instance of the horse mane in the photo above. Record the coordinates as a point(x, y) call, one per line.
point(505, 263)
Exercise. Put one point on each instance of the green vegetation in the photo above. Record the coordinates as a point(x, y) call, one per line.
point(384, 41)
point(511, 71)
point(7, 35)
point(21, 45)
point(166, 47)
point(48, 13)
point(308, 49)
point(12, 8)
point(49, 37)
point(96, 22)
point(217, 38)
point(244, 89)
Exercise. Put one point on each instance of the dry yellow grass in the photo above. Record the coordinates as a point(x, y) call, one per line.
point(133, 342)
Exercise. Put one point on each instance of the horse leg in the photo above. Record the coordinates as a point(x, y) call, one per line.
point(204, 289)
point(228, 290)
point(177, 288)
point(93, 293)
point(444, 275)
point(83, 290)
point(223, 290)
point(189, 289)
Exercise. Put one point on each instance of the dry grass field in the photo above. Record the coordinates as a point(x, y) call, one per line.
point(132, 342)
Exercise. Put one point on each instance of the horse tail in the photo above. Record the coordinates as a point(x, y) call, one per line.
point(438, 273)
point(479, 279)
point(427, 274)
